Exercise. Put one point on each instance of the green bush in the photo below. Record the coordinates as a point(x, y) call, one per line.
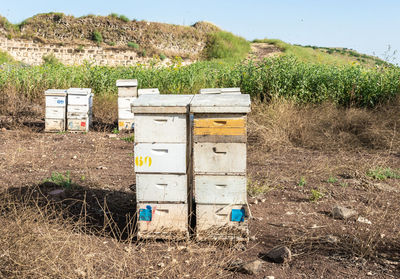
point(50, 59)
point(124, 18)
point(162, 56)
point(97, 37)
point(6, 58)
point(133, 45)
point(225, 45)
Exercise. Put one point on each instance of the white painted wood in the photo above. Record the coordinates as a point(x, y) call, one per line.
point(127, 92)
point(79, 91)
point(160, 158)
point(125, 102)
point(220, 91)
point(217, 189)
point(126, 83)
point(165, 128)
point(213, 221)
point(125, 124)
point(213, 158)
point(148, 91)
point(55, 112)
point(56, 92)
point(54, 125)
point(80, 100)
point(78, 125)
point(78, 109)
point(77, 115)
point(162, 101)
point(168, 220)
point(125, 113)
point(56, 101)
point(220, 103)
point(161, 188)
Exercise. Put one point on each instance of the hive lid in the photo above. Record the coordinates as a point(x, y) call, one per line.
point(220, 103)
point(56, 92)
point(79, 91)
point(127, 83)
point(161, 103)
point(148, 91)
point(233, 90)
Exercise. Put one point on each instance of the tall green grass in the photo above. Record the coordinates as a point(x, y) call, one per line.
point(225, 45)
point(282, 77)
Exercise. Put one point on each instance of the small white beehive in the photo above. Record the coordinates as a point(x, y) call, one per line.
point(56, 109)
point(219, 164)
point(79, 109)
point(127, 92)
point(162, 159)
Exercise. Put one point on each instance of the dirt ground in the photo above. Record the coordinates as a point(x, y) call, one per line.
point(281, 182)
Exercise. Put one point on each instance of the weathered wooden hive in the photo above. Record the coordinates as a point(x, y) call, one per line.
point(56, 110)
point(79, 109)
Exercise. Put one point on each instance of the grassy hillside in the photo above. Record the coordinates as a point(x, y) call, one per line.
point(325, 55)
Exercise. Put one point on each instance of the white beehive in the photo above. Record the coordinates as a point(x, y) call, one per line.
point(219, 163)
point(162, 158)
point(232, 90)
point(127, 93)
point(79, 109)
point(148, 91)
point(56, 109)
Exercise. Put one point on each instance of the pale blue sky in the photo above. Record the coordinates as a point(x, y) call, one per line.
point(365, 25)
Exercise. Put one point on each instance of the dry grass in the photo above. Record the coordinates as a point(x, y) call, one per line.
point(283, 123)
point(39, 240)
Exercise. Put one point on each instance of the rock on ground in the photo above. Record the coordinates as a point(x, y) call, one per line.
point(341, 212)
point(279, 254)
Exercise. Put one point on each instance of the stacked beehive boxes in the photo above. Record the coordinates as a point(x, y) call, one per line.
point(56, 110)
point(219, 166)
point(162, 149)
point(79, 110)
point(127, 92)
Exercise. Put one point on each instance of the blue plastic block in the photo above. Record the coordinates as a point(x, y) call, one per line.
point(145, 214)
point(238, 215)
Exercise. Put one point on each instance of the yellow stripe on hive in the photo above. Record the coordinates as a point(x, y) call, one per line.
point(219, 131)
point(220, 122)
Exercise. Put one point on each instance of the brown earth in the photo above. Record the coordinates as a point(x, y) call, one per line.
point(283, 210)
point(259, 51)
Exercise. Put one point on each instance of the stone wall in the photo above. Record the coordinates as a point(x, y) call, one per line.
point(32, 53)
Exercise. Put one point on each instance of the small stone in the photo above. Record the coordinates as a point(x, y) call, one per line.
point(260, 218)
point(331, 239)
point(269, 277)
point(279, 254)
point(341, 212)
point(262, 200)
point(161, 265)
point(251, 268)
point(364, 220)
point(112, 136)
point(253, 238)
point(101, 168)
point(74, 157)
point(369, 273)
point(254, 202)
point(289, 213)
point(187, 262)
point(56, 192)
point(3, 129)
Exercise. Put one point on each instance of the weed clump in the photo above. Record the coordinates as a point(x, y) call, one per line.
point(225, 45)
point(97, 37)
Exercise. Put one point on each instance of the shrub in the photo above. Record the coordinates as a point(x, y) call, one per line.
point(162, 56)
point(97, 37)
point(50, 59)
point(124, 18)
point(133, 45)
point(225, 45)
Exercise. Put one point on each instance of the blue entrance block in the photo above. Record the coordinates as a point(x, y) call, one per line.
point(238, 215)
point(145, 214)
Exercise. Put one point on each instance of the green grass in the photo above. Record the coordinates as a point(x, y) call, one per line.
point(133, 45)
point(6, 58)
point(279, 77)
point(380, 173)
point(256, 188)
point(302, 182)
point(97, 37)
point(130, 138)
point(324, 55)
point(316, 195)
point(225, 45)
point(61, 180)
point(332, 179)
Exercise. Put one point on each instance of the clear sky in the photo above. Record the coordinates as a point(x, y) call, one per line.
point(364, 25)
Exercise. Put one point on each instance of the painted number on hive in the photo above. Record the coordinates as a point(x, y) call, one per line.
point(140, 161)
